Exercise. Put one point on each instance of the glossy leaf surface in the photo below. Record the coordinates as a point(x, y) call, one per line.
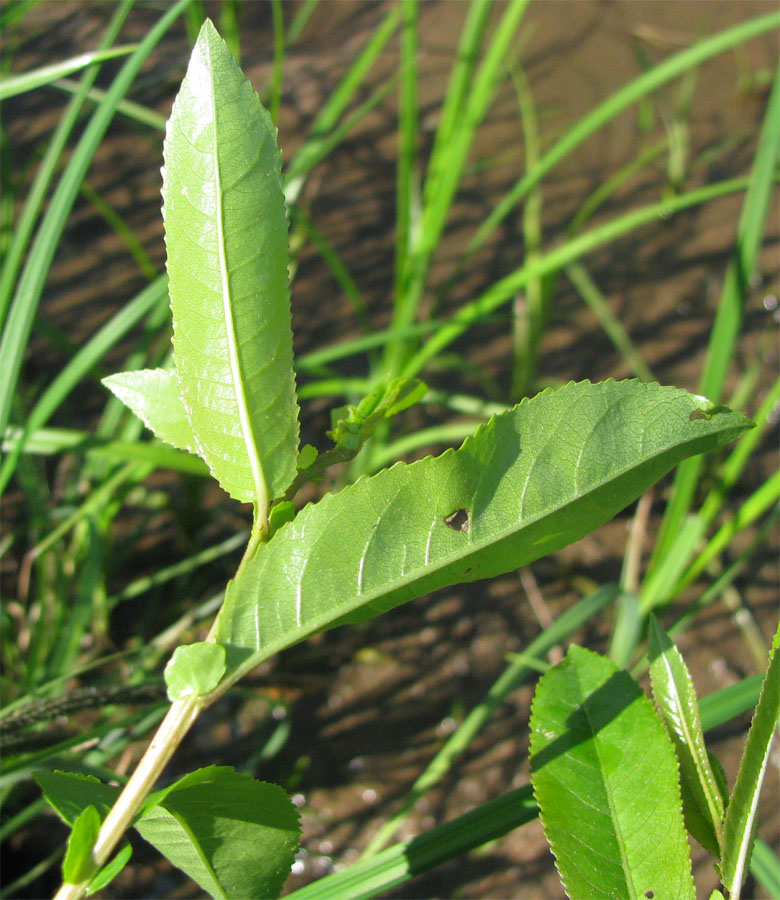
point(605, 779)
point(226, 239)
point(529, 482)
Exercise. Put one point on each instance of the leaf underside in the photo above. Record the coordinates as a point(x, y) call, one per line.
point(226, 240)
point(529, 482)
point(153, 395)
point(675, 697)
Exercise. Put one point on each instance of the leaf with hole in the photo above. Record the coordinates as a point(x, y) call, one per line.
point(527, 483)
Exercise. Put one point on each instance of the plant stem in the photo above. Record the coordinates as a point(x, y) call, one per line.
point(169, 735)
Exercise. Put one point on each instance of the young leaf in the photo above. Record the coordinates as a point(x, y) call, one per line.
point(529, 482)
point(194, 669)
point(351, 425)
point(226, 240)
point(109, 872)
point(77, 862)
point(605, 779)
point(235, 836)
point(740, 824)
point(675, 697)
point(153, 395)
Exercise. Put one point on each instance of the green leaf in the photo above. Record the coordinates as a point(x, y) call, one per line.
point(529, 482)
point(605, 779)
point(741, 816)
point(307, 456)
point(109, 872)
point(235, 836)
point(153, 395)
point(78, 859)
point(70, 794)
point(675, 697)
point(226, 239)
point(281, 514)
point(194, 670)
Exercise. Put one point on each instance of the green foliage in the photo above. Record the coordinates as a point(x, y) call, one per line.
point(77, 863)
point(605, 779)
point(235, 836)
point(154, 396)
point(529, 482)
point(109, 872)
point(194, 670)
point(226, 236)
point(675, 697)
point(605, 775)
point(351, 426)
point(741, 815)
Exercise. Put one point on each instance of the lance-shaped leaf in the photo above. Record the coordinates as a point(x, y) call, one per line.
point(226, 238)
point(675, 697)
point(605, 779)
point(529, 482)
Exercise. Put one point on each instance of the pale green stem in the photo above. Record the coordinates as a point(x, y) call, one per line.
point(169, 735)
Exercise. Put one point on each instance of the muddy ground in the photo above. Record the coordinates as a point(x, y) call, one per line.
point(369, 707)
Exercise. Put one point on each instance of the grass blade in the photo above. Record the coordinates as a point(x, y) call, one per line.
point(98, 345)
point(612, 106)
point(740, 824)
point(48, 441)
point(36, 269)
point(513, 676)
point(314, 148)
point(12, 85)
point(500, 292)
point(610, 324)
point(436, 208)
point(728, 319)
point(23, 227)
point(400, 863)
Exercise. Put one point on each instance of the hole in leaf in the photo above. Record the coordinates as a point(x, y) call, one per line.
point(458, 521)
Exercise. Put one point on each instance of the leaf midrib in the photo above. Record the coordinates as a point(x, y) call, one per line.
point(316, 623)
point(262, 499)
